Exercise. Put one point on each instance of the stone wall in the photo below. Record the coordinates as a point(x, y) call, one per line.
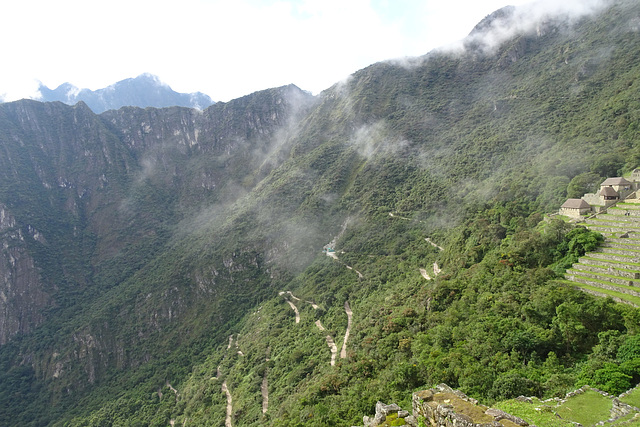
point(445, 407)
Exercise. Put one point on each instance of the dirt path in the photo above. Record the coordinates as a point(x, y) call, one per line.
point(218, 373)
point(334, 349)
point(227, 421)
point(436, 269)
point(330, 342)
point(351, 268)
point(401, 217)
point(334, 255)
point(264, 388)
point(347, 309)
point(295, 309)
point(292, 305)
point(172, 389)
point(293, 296)
point(433, 244)
point(424, 274)
point(314, 305)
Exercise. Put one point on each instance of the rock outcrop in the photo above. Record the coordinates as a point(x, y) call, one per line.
point(443, 407)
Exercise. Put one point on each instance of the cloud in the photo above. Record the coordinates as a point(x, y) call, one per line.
point(528, 18)
point(375, 139)
point(227, 49)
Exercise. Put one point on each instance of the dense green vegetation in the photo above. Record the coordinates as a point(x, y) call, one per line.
point(192, 225)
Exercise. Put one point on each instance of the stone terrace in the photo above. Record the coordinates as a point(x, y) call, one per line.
point(613, 270)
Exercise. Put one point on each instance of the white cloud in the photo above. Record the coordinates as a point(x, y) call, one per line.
point(225, 48)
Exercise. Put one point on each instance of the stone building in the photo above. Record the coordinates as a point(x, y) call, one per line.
point(619, 184)
point(612, 190)
point(575, 208)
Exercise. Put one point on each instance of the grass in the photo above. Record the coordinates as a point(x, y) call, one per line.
point(535, 413)
point(637, 264)
point(630, 245)
point(463, 407)
point(603, 267)
point(628, 421)
point(604, 282)
point(611, 224)
point(596, 274)
point(587, 408)
point(620, 255)
point(621, 249)
point(633, 398)
point(393, 420)
point(610, 218)
point(625, 297)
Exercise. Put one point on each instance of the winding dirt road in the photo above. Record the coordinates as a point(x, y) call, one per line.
point(293, 306)
point(425, 274)
point(347, 309)
point(335, 256)
point(434, 244)
point(436, 269)
point(334, 349)
point(295, 310)
point(227, 421)
point(264, 388)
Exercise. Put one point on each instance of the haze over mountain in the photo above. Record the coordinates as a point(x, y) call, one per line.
point(143, 91)
point(288, 259)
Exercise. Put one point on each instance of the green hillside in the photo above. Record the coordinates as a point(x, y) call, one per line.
point(170, 263)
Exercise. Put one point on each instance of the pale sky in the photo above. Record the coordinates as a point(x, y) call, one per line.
point(224, 48)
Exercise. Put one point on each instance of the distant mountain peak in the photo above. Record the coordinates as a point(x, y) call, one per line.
point(145, 90)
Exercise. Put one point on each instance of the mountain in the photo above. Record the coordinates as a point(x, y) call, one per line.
point(288, 259)
point(143, 91)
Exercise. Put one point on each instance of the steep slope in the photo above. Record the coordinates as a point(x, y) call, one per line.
point(143, 91)
point(72, 240)
point(218, 212)
point(612, 270)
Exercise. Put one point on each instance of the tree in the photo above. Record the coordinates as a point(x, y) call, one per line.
point(587, 182)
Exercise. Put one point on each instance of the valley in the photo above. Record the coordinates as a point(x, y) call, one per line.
point(170, 266)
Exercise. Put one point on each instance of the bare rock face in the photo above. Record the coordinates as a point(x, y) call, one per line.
point(22, 297)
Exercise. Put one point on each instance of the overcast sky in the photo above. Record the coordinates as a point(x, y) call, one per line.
point(224, 48)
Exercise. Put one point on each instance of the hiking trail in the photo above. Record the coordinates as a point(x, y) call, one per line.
point(330, 342)
point(225, 389)
point(333, 254)
point(434, 244)
point(347, 309)
point(436, 269)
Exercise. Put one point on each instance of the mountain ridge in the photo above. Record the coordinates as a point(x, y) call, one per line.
point(160, 232)
point(145, 90)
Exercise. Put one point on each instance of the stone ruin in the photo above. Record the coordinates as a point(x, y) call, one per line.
point(444, 407)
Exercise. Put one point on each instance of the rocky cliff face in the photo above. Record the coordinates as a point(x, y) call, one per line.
point(22, 294)
point(82, 197)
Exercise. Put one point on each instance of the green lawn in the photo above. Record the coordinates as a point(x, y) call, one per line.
point(632, 299)
point(535, 413)
point(633, 398)
point(587, 408)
